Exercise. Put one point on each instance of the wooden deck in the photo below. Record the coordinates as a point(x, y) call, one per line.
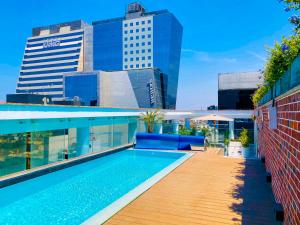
point(207, 189)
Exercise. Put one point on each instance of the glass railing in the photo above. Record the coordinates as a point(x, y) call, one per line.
point(29, 150)
point(289, 80)
point(215, 135)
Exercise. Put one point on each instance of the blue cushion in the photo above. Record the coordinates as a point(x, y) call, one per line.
point(185, 142)
point(167, 141)
point(157, 141)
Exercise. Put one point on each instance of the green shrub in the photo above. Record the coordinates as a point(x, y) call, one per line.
point(244, 138)
point(184, 131)
point(281, 56)
point(226, 138)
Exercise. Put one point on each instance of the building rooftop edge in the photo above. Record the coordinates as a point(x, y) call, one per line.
point(229, 73)
point(123, 17)
point(52, 26)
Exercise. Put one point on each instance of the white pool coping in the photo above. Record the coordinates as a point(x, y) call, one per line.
point(113, 208)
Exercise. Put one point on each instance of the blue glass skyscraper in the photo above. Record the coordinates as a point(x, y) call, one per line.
point(140, 40)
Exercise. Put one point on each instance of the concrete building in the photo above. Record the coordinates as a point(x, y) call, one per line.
point(143, 88)
point(235, 89)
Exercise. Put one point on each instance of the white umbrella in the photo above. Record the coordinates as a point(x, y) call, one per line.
point(213, 117)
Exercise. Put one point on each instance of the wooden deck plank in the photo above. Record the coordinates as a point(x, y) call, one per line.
point(207, 189)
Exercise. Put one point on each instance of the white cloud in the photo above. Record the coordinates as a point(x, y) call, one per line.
point(206, 57)
point(258, 56)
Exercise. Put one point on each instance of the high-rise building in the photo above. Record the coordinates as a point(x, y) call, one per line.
point(140, 40)
point(50, 52)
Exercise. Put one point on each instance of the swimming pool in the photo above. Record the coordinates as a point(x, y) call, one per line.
point(87, 192)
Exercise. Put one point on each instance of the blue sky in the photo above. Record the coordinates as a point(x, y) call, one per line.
point(219, 36)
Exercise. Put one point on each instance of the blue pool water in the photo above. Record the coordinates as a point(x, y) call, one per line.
point(72, 195)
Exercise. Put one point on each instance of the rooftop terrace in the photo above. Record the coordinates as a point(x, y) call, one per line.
point(207, 189)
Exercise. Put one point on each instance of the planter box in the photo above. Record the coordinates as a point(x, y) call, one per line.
point(235, 149)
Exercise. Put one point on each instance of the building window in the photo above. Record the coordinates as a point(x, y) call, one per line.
point(143, 29)
point(143, 65)
point(125, 24)
point(149, 21)
point(126, 67)
point(131, 24)
point(149, 42)
point(131, 59)
point(143, 22)
point(149, 28)
point(125, 31)
point(137, 23)
point(149, 35)
point(137, 65)
point(137, 51)
point(126, 60)
point(143, 51)
point(125, 46)
point(137, 37)
point(131, 52)
point(131, 66)
point(137, 44)
point(143, 58)
point(131, 38)
point(143, 36)
point(137, 30)
point(149, 57)
point(149, 50)
point(149, 64)
point(131, 45)
point(126, 39)
point(137, 59)
point(143, 43)
point(125, 53)
point(131, 31)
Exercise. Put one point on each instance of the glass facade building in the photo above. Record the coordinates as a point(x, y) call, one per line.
point(143, 88)
point(140, 40)
point(51, 51)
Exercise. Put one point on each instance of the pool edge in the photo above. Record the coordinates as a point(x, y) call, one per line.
point(53, 167)
point(106, 213)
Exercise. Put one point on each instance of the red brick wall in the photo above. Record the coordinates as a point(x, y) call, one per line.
point(281, 149)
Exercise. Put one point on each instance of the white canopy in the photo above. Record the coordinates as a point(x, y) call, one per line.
point(213, 117)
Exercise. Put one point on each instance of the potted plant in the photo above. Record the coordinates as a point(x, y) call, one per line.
point(151, 118)
point(244, 139)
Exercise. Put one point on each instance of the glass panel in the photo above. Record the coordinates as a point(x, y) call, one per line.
point(295, 76)
point(141, 126)
point(101, 138)
point(132, 127)
point(72, 143)
point(47, 147)
point(120, 136)
point(12, 153)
